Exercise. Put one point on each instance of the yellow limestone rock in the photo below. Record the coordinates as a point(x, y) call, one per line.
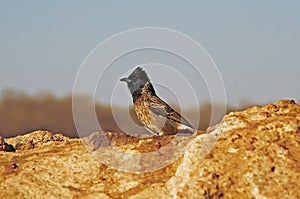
point(253, 153)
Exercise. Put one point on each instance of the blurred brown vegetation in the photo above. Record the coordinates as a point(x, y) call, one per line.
point(21, 113)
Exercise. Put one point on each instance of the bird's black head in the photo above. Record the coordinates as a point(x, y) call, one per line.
point(136, 80)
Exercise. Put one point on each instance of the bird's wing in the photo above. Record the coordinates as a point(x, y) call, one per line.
point(159, 107)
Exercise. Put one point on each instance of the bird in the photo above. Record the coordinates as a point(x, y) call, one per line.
point(155, 114)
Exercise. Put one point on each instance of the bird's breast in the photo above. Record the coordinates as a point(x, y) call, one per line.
point(142, 111)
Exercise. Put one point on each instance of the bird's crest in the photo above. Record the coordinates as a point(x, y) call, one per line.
point(140, 74)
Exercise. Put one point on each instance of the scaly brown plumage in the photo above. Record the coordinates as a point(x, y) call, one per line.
point(155, 114)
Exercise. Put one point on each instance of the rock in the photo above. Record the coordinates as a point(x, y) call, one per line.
point(37, 139)
point(256, 156)
point(135, 154)
point(6, 147)
point(253, 153)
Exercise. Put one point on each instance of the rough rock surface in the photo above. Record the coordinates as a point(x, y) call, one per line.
point(256, 155)
point(6, 147)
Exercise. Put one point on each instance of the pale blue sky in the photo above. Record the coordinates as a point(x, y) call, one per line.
point(256, 45)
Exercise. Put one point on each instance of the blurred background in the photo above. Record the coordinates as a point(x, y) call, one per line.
point(254, 44)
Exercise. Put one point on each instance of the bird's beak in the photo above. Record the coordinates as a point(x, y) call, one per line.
point(125, 80)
